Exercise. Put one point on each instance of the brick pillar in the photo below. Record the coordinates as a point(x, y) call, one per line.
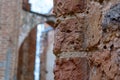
point(87, 40)
point(9, 30)
point(69, 47)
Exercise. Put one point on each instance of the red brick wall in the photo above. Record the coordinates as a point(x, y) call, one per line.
point(69, 37)
point(84, 50)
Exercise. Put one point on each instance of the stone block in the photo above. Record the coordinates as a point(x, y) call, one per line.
point(93, 31)
point(69, 6)
point(104, 65)
point(71, 69)
point(69, 35)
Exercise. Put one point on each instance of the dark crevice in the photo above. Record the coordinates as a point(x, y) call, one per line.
point(100, 1)
point(112, 46)
point(105, 47)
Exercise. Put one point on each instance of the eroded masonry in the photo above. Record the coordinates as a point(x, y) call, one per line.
point(86, 40)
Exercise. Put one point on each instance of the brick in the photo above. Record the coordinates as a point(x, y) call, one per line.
point(71, 69)
point(100, 46)
point(105, 65)
point(26, 6)
point(93, 31)
point(80, 32)
point(69, 6)
point(69, 35)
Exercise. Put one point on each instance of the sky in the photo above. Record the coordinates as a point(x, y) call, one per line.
point(40, 6)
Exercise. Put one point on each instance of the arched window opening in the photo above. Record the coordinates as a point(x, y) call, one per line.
point(36, 63)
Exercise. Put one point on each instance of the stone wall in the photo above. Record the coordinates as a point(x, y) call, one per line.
point(87, 40)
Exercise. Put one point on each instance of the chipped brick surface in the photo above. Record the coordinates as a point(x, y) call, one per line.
point(69, 6)
point(93, 31)
point(71, 69)
point(102, 47)
point(79, 32)
point(104, 65)
point(69, 35)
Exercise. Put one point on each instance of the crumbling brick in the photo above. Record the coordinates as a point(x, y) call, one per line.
point(69, 6)
point(100, 47)
point(93, 26)
point(71, 69)
point(69, 35)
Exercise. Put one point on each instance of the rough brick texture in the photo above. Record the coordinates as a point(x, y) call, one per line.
point(96, 34)
point(69, 35)
point(71, 69)
point(69, 6)
point(105, 64)
point(105, 59)
point(77, 32)
point(93, 31)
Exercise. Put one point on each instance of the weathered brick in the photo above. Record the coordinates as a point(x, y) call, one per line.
point(69, 6)
point(105, 65)
point(100, 47)
point(69, 35)
point(71, 69)
point(79, 32)
point(93, 31)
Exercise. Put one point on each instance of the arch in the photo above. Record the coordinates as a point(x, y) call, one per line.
point(26, 59)
point(26, 40)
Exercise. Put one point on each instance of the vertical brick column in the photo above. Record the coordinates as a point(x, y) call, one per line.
point(71, 62)
point(9, 29)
